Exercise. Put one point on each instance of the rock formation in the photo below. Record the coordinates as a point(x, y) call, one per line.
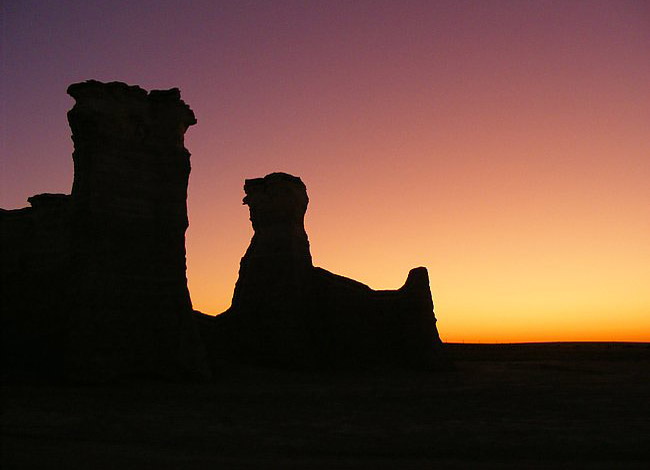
point(285, 311)
point(95, 282)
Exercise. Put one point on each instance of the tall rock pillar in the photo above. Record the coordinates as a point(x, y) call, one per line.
point(132, 309)
point(277, 261)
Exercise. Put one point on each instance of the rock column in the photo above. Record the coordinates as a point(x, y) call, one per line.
point(131, 306)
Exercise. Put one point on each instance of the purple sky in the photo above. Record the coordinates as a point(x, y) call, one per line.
point(504, 145)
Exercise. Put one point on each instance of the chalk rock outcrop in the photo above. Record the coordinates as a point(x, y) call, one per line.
point(285, 311)
point(110, 257)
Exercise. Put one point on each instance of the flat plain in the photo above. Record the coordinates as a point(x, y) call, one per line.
point(537, 405)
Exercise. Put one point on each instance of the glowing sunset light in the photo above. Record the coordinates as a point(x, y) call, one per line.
point(503, 145)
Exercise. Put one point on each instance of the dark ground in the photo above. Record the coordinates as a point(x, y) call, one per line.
point(566, 405)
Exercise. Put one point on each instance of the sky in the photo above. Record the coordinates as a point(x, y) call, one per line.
point(503, 145)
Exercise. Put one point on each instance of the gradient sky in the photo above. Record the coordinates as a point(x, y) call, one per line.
point(503, 145)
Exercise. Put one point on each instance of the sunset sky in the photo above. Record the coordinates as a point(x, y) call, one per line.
point(503, 145)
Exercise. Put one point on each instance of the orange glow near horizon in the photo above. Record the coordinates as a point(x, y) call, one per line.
point(503, 145)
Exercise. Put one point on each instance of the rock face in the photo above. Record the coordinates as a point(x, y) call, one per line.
point(111, 256)
point(285, 311)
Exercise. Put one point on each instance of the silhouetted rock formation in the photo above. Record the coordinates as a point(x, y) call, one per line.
point(94, 282)
point(285, 311)
point(272, 272)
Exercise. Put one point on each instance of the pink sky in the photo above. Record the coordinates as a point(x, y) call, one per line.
point(504, 145)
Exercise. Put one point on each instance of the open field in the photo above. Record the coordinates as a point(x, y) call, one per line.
point(571, 405)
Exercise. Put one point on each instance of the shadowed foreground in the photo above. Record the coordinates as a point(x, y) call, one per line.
point(533, 405)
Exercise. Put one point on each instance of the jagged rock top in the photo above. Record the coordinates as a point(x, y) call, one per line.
point(273, 178)
point(96, 94)
point(277, 198)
